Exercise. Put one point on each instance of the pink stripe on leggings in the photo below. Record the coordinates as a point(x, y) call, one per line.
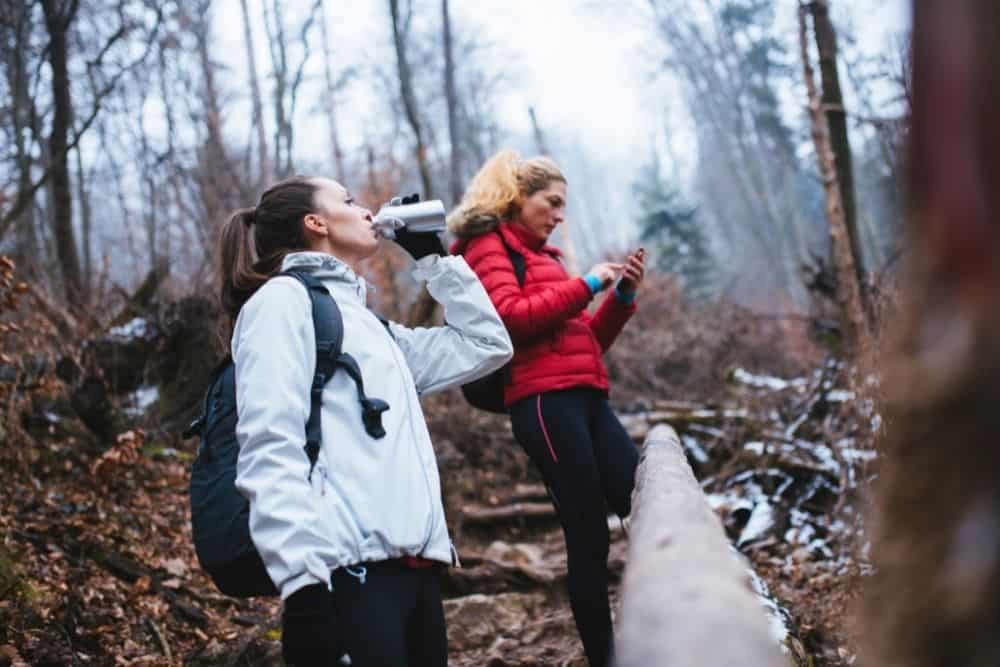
point(545, 431)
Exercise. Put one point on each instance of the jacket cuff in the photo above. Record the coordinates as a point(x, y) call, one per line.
point(593, 282)
point(626, 298)
point(426, 265)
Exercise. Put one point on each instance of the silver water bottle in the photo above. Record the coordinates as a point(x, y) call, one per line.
point(423, 216)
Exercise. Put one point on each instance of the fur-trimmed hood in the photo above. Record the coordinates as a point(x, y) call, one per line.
point(467, 224)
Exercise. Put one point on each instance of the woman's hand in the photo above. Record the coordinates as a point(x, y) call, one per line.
point(606, 272)
point(418, 244)
point(633, 272)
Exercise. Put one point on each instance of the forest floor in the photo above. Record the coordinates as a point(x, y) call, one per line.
point(97, 567)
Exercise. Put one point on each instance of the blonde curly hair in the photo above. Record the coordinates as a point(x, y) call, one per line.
point(498, 190)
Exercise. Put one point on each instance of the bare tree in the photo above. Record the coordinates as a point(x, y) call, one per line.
point(264, 161)
point(410, 104)
point(25, 198)
point(451, 98)
point(330, 102)
point(22, 114)
point(749, 183)
point(220, 181)
point(540, 144)
point(58, 19)
point(288, 77)
point(836, 118)
point(848, 286)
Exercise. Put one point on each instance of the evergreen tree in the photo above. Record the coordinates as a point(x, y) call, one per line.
point(679, 242)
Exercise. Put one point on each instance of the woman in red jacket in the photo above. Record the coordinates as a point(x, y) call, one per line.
point(557, 393)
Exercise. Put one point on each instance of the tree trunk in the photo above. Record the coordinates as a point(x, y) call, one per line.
point(57, 23)
point(274, 26)
point(848, 288)
point(934, 597)
point(22, 115)
point(331, 98)
point(263, 159)
point(836, 118)
point(451, 97)
point(83, 196)
point(217, 180)
point(410, 100)
point(424, 309)
point(536, 130)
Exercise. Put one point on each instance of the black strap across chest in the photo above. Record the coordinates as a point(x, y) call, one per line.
point(328, 323)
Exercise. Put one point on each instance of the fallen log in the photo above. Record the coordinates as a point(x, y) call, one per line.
point(687, 600)
point(478, 514)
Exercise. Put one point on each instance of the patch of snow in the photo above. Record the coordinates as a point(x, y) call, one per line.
point(777, 618)
point(694, 448)
point(840, 396)
point(728, 501)
point(142, 398)
point(51, 417)
point(767, 381)
point(853, 455)
point(802, 531)
point(137, 327)
point(146, 396)
point(824, 456)
point(760, 522)
point(756, 447)
point(794, 426)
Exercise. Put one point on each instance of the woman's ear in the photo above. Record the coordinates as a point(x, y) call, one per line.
point(315, 225)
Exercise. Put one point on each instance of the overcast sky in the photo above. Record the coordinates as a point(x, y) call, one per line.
point(584, 64)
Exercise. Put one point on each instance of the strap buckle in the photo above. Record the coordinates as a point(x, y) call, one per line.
point(194, 428)
point(371, 415)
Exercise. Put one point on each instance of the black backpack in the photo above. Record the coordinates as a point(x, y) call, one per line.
point(220, 514)
point(486, 393)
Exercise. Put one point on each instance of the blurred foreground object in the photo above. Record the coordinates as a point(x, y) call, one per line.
point(935, 599)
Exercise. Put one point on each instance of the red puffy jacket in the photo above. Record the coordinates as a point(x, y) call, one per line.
point(557, 343)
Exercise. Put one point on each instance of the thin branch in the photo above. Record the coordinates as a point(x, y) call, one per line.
point(24, 198)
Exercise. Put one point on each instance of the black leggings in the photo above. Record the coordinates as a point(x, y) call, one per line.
point(393, 618)
point(586, 459)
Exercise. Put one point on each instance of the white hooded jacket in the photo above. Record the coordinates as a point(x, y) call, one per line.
point(367, 499)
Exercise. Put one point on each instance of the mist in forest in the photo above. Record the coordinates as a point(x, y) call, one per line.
point(680, 125)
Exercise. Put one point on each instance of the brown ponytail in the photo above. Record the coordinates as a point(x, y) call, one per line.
point(254, 241)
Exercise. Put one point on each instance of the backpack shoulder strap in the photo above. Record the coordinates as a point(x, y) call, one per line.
point(516, 258)
point(385, 323)
point(328, 325)
point(197, 427)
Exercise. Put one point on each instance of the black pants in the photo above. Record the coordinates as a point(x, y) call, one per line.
point(391, 616)
point(587, 459)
